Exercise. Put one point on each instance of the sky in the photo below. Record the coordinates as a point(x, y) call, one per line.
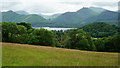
point(49, 7)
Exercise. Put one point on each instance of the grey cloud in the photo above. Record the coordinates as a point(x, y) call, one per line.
point(106, 4)
point(8, 5)
point(39, 9)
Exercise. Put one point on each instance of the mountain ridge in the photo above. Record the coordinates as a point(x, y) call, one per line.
point(87, 15)
point(11, 16)
point(22, 12)
point(80, 17)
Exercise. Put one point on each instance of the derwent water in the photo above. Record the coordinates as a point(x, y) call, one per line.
point(57, 29)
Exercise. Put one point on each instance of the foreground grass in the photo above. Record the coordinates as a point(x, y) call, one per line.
point(30, 55)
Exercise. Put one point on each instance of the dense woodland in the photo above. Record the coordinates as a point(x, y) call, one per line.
point(97, 36)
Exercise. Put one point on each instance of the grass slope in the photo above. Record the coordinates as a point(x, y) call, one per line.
point(31, 55)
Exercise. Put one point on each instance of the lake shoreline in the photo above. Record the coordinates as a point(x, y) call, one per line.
point(54, 28)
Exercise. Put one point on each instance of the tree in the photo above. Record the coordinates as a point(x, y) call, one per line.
point(100, 29)
point(8, 29)
point(21, 35)
point(27, 25)
point(113, 44)
point(78, 39)
point(99, 43)
point(42, 37)
point(21, 29)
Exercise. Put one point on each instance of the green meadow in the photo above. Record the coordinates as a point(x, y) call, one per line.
point(32, 55)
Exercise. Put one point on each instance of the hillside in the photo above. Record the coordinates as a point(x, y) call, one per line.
point(100, 29)
point(11, 16)
point(88, 15)
point(75, 17)
point(22, 12)
point(31, 55)
point(97, 9)
point(107, 16)
point(51, 17)
point(68, 19)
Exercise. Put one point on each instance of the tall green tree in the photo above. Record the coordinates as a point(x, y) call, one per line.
point(8, 29)
point(78, 39)
point(27, 25)
point(113, 45)
point(42, 37)
point(21, 36)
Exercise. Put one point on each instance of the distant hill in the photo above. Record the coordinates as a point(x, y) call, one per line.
point(87, 12)
point(44, 16)
point(34, 19)
point(100, 29)
point(51, 17)
point(107, 16)
point(68, 19)
point(88, 15)
point(97, 9)
point(75, 17)
point(22, 12)
point(54, 16)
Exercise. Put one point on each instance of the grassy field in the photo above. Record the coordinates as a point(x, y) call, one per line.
point(31, 55)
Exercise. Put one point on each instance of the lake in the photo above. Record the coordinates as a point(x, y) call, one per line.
point(57, 29)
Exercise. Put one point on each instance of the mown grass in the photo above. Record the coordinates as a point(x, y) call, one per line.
point(31, 55)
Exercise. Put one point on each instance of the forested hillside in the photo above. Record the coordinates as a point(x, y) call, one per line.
point(100, 29)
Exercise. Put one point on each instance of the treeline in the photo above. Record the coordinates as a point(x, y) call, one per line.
point(100, 29)
point(25, 34)
point(108, 44)
point(74, 39)
point(79, 39)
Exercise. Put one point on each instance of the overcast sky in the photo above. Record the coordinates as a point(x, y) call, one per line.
point(49, 7)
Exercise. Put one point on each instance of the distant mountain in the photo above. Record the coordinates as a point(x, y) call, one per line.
point(44, 16)
point(106, 16)
point(68, 19)
point(86, 12)
point(11, 16)
point(22, 12)
point(51, 17)
point(54, 16)
point(97, 9)
point(75, 17)
point(88, 15)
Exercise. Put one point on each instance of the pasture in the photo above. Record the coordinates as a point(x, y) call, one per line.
point(32, 55)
